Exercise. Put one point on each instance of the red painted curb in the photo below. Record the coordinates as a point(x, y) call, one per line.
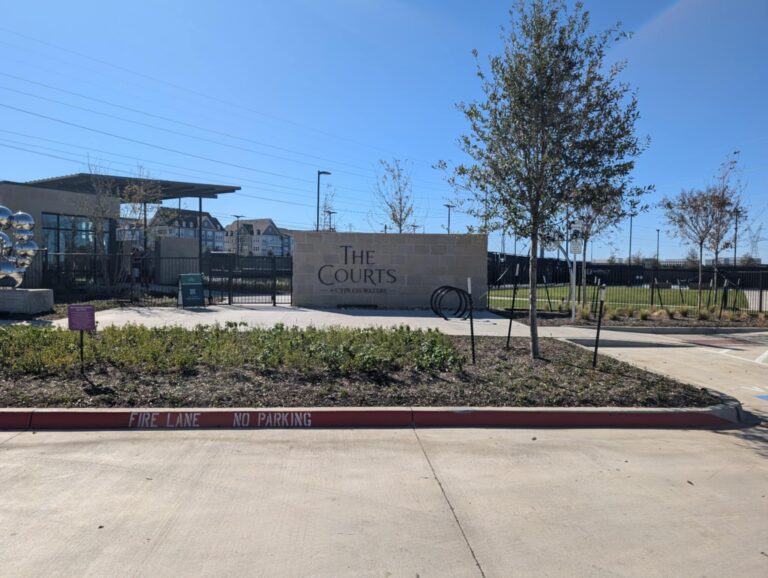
point(15, 419)
point(565, 419)
point(63, 419)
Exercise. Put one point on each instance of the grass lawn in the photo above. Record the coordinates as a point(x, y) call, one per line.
point(616, 297)
point(287, 367)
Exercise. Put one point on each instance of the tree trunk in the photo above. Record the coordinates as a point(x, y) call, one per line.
point(701, 261)
point(717, 254)
point(532, 277)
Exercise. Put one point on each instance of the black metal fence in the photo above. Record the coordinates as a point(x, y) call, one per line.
point(151, 280)
point(627, 287)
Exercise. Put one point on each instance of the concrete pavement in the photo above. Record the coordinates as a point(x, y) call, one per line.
point(384, 503)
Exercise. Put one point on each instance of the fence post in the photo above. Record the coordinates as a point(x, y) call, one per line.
point(760, 291)
point(274, 281)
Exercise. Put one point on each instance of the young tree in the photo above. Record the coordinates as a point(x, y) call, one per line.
point(327, 209)
point(594, 220)
point(103, 207)
point(691, 218)
point(393, 191)
point(706, 217)
point(691, 258)
point(726, 206)
point(554, 121)
point(143, 197)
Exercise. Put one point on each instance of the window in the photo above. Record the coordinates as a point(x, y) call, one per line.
point(74, 234)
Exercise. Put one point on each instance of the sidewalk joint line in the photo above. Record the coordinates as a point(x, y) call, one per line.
point(450, 505)
point(14, 437)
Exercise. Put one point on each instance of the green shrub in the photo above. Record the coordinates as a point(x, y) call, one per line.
point(702, 315)
point(644, 314)
point(684, 311)
point(135, 348)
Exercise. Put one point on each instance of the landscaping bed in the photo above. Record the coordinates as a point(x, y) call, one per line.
point(648, 318)
point(232, 366)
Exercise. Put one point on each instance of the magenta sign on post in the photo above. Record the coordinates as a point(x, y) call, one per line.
point(82, 317)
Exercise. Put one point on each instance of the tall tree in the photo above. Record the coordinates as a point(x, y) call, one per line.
point(555, 121)
point(393, 191)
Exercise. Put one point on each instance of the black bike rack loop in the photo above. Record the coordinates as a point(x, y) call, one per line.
point(463, 309)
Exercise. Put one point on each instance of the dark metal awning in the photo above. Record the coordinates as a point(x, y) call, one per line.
point(123, 186)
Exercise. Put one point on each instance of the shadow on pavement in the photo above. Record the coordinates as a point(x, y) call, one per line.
point(754, 438)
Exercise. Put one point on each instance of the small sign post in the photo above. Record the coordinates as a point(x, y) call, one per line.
point(599, 322)
point(81, 318)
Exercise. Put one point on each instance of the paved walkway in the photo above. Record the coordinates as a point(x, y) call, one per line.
point(340, 503)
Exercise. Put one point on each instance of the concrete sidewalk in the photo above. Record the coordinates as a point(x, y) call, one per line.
point(340, 503)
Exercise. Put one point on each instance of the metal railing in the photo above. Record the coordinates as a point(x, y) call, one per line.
point(628, 287)
point(153, 280)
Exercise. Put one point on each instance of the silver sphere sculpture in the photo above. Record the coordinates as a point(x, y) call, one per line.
point(21, 235)
point(12, 272)
point(18, 249)
point(5, 217)
point(22, 221)
point(6, 245)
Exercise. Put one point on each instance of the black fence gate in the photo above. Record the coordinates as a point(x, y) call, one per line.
point(238, 280)
point(149, 280)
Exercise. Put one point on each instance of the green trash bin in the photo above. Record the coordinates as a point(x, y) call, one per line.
point(191, 292)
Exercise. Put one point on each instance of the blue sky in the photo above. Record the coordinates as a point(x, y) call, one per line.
point(263, 94)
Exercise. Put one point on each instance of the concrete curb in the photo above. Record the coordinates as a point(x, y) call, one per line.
point(725, 415)
point(681, 330)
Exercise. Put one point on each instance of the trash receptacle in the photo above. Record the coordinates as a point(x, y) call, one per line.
point(191, 292)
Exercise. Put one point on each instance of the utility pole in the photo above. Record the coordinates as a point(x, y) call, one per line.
point(330, 214)
point(735, 236)
point(449, 206)
point(319, 174)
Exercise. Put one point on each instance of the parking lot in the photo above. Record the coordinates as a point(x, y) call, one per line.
point(478, 502)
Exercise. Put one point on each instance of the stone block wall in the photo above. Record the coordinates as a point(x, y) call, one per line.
point(333, 269)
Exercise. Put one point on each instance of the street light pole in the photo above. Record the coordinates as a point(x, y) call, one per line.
point(633, 204)
point(449, 206)
point(319, 173)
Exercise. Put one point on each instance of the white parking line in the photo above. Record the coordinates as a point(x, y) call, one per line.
point(762, 357)
point(726, 353)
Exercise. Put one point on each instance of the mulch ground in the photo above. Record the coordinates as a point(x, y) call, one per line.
point(550, 320)
point(564, 377)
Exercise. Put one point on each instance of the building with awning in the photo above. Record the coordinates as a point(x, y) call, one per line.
point(80, 213)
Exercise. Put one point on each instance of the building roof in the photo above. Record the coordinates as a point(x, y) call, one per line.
point(165, 190)
point(171, 216)
point(250, 225)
